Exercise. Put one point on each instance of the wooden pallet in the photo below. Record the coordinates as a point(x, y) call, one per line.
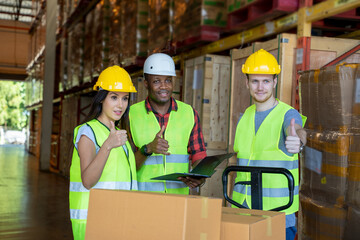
point(258, 12)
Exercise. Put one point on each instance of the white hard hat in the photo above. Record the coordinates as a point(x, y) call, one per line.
point(159, 64)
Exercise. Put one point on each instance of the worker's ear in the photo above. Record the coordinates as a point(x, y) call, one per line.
point(275, 81)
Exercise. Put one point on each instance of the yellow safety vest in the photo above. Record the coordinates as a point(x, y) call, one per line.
point(144, 126)
point(262, 150)
point(119, 173)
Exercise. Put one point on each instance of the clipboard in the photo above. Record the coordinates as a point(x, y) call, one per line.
point(205, 168)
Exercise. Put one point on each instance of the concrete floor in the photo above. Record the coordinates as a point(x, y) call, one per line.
point(33, 204)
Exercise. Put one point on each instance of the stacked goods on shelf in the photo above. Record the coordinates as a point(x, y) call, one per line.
point(206, 87)
point(69, 121)
point(115, 33)
point(89, 46)
point(134, 31)
point(75, 55)
point(198, 20)
point(160, 31)
point(35, 131)
point(247, 13)
point(98, 35)
point(329, 169)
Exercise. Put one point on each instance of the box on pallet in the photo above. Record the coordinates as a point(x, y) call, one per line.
point(328, 98)
point(134, 30)
point(206, 88)
point(247, 224)
point(198, 20)
point(320, 220)
point(160, 25)
point(353, 188)
point(352, 230)
point(115, 214)
point(324, 166)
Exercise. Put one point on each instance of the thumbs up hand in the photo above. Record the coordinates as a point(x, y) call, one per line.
point(159, 145)
point(292, 142)
point(116, 138)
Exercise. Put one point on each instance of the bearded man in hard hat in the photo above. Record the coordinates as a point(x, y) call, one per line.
point(166, 132)
point(268, 134)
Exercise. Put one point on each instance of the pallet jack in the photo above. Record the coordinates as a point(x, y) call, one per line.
point(256, 185)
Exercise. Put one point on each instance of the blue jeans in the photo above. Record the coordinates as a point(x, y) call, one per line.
point(290, 233)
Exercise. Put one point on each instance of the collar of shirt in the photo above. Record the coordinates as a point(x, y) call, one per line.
point(149, 108)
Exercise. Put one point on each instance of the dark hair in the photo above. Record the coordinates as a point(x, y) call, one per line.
point(96, 109)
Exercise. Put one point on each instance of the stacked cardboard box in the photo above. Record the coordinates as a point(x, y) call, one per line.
point(160, 31)
point(330, 176)
point(98, 35)
point(89, 46)
point(134, 30)
point(198, 20)
point(115, 214)
point(75, 55)
point(115, 33)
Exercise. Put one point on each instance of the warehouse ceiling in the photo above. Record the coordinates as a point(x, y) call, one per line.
point(17, 10)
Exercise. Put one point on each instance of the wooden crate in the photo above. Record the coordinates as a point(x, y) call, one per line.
point(283, 47)
point(206, 88)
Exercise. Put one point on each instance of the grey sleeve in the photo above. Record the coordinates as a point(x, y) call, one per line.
point(87, 131)
point(292, 113)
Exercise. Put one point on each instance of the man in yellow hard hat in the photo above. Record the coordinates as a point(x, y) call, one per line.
point(166, 132)
point(269, 134)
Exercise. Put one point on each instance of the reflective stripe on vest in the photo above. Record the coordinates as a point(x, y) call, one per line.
point(290, 165)
point(144, 127)
point(119, 172)
point(261, 149)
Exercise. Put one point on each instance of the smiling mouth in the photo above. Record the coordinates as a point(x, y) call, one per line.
point(164, 94)
point(118, 112)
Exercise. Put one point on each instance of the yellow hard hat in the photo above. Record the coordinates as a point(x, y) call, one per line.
point(115, 79)
point(261, 62)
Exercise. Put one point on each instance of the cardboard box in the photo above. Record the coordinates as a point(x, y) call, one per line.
point(329, 100)
point(116, 214)
point(247, 224)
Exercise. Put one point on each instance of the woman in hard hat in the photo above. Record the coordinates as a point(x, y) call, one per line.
point(102, 156)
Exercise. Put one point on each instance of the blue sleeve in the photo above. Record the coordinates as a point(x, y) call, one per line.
point(87, 131)
point(292, 113)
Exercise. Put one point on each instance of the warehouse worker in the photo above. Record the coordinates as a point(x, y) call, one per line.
point(166, 132)
point(102, 156)
point(268, 134)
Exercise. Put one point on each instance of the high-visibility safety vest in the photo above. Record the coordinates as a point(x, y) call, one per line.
point(262, 150)
point(144, 126)
point(119, 173)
